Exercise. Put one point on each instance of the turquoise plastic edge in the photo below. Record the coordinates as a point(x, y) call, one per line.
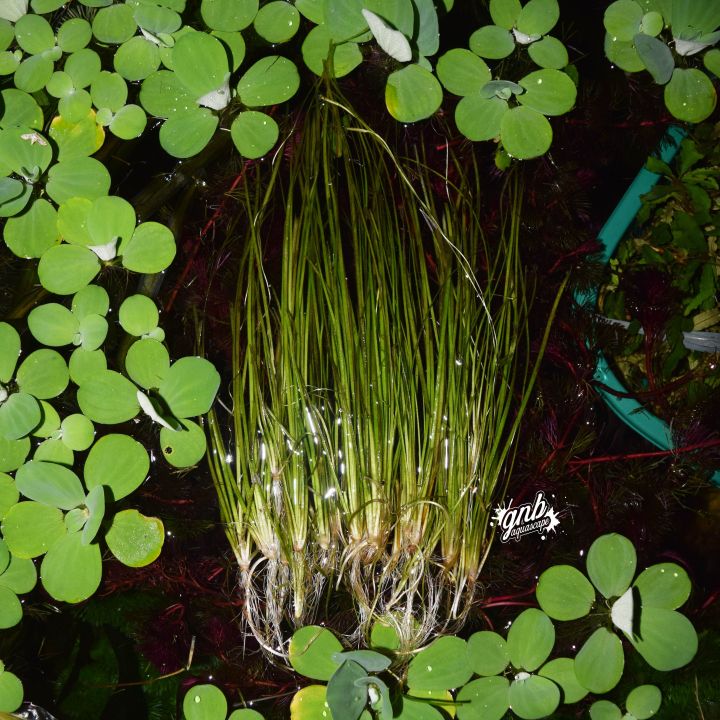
point(629, 410)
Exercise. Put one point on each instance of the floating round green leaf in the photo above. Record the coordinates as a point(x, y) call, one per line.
point(147, 363)
point(20, 575)
point(75, 106)
point(33, 73)
point(440, 666)
point(505, 12)
point(462, 72)
point(107, 397)
point(157, 19)
point(311, 652)
point(54, 451)
point(644, 701)
point(622, 19)
point(271, 80)
point(245, 714)
point(605, 710)
point(666, 639)
point(652, 23)
point(71, 571)
point(488, 653)
point(85, 364)
point(25, 151)
point(162, 94)
point(656, 56)
point(183, 448)
point(52, 324)
point(492, 42)
point(65, 269)
point(550, 92)
point(478, 118)
point(83, 177)
point(412, 94)
point(254, 133)
point(14, 196)
point(138, 314)
point(11, 692)
point(228, 15)
point(110, 218)
point(486, 698)
point(50, 423)
point(77, 139)
point(711, 60)
point(134, 539)
point(530, 639)
point(343, 696)
point(74, 34)
point(4, 555)
point(277, 22)
point(43, 374)
point(10, 612)
point(50, 484)
point(83, 67)
point(102, 467)
point(533, 697)
point(190, 386)
point(665, 585)
point(562, 672)
point(538, 17)
point(129, 122)
point(201, 63)
point(30, 528)
point(187, 133)
point(525, 133)
point(313, 10)
point(91, 300)
point(384, 636)
point(8, 494)
point(95, 504)
point(9, 351)
point(109, 90)
point(549, 53)
point(564, 593)
point(19, 109)
point(599, 663)
point(7, 34)
point(92, 332)
point(611, 564)
point(13, 453)
point(60, 84)
point(205, 702)
point(77, 432)
point(33, 232)
point(345, 21)
point(151, 248)
point(19, 414)
point(316, 53)
point(234, 45)
point(623, 54)
point(9, 61)
point(34, 34)
point(75, 519)
point(690, 95)
point(136, 58)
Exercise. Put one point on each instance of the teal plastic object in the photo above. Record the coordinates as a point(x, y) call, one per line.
point(629, 410)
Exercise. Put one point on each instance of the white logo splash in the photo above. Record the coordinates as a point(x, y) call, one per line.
point(536, 516)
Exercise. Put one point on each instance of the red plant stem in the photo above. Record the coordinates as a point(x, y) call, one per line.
point(502, 598)
point(509, 604)
point(201, 236)
point(636, 456)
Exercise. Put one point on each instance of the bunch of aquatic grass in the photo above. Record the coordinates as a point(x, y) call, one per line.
point(380, 376)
